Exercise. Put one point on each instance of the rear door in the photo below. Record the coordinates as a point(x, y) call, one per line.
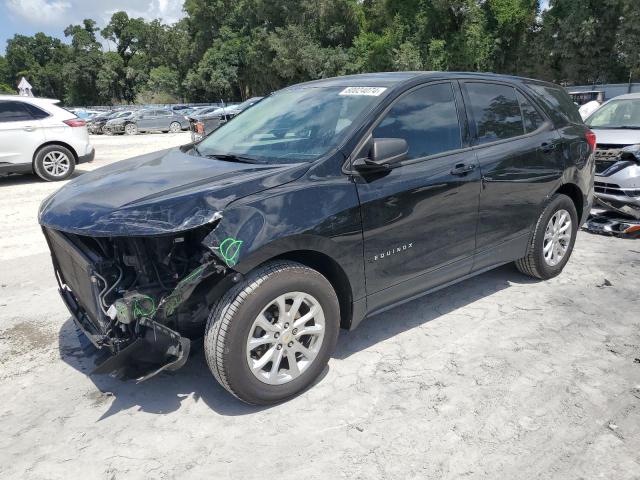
point(520, 162)
point(419, 218)
point(20, 133)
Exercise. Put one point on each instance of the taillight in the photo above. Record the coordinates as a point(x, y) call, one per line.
point(75, 122)
point(591, 139)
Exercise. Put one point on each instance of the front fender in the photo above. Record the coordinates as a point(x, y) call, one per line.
point(321, 217)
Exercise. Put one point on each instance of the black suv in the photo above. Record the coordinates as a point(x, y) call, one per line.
point(324, 203)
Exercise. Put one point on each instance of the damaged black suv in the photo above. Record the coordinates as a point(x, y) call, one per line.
point(324, 203)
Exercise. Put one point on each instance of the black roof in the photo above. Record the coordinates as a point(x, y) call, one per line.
point(392, 79)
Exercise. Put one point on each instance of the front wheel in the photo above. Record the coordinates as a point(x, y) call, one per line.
point(175, 127)
point(553, 239)
point(271, 336)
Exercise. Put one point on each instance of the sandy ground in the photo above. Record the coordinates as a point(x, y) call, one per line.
point(497, 377)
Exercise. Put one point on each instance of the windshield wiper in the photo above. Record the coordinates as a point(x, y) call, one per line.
point(230, 157)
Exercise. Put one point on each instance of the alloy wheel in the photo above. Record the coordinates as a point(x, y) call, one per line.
point(175, 127)
point(56, 163)
point(285, 338)
point(557, 237)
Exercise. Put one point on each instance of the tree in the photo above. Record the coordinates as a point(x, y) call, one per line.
point(81, 71)
point(628, 38)
point(574, 46)
point(41, 60)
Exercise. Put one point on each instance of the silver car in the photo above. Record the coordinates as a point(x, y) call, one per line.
point(617, 127)
point(153, 120)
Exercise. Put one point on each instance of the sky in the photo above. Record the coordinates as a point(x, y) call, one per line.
point(28, 17)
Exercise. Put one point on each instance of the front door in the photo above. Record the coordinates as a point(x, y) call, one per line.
point(148, 120)
point(419, 218)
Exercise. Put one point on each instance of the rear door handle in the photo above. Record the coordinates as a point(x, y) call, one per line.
point(548, 147)
point(462, 169)
point(29, 128)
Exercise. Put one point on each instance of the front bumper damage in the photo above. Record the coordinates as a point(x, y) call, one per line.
point(139, 300)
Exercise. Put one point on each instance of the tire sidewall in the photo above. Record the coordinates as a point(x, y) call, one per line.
point(559, 202)
point(239, 376)
point(42, 173)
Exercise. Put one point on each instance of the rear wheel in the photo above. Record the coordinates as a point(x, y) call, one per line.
point(553, 239)
point(53, 163)
point(175, 127)
point(131, 129)
point(272, 335)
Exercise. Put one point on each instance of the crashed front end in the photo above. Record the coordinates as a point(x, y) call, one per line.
point(139, 298)
point(617, 179)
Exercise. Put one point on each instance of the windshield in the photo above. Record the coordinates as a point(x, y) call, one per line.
point(617, 114)
point(292, 126)
point(246, 104)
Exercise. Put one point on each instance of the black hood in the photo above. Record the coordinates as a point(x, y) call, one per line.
point(162, 192)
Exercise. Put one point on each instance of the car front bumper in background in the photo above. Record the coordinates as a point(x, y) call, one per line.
point(617, 185)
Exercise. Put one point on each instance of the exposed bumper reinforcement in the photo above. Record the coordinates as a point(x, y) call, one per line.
point(159, 349)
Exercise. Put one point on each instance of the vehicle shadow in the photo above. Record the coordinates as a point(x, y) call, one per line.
point(412, 314)
point(29, 178)
point(166, 392)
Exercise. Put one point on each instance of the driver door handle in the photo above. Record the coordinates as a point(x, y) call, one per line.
point(463, 169)
point(28, 128)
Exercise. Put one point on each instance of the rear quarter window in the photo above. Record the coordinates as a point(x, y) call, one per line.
point(36, 112)
point(557, 104)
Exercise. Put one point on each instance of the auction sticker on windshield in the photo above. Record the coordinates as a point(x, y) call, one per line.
point(368, 91)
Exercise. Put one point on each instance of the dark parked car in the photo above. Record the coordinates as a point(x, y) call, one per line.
point(324, 203)
point(204, 122)
point(97, 123)
point(150, 120)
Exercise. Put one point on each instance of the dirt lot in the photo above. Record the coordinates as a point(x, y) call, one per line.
point(497, 377)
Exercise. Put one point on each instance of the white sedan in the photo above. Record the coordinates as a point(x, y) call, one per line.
point(37, 136)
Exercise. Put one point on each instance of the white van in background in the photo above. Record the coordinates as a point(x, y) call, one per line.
point(36, 136)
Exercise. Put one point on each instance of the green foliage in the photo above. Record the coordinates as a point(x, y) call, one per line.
point(234, 49)
point(4, 88)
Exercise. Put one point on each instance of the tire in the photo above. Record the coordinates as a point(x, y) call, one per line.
point(131, 129)
point(233, 323)
point(54, 163)
point(539, 264)
point(175, 127)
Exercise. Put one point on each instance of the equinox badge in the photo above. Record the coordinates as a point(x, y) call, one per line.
point(393, 251)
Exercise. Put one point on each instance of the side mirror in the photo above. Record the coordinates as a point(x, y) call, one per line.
point(383, 153)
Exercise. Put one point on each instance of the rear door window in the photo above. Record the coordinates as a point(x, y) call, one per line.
point(14, 112)
point(427, 118)
point(495, 110)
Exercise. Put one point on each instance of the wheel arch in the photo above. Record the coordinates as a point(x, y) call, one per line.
point(572, 191)
point(54, 142)
point(333, 272)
